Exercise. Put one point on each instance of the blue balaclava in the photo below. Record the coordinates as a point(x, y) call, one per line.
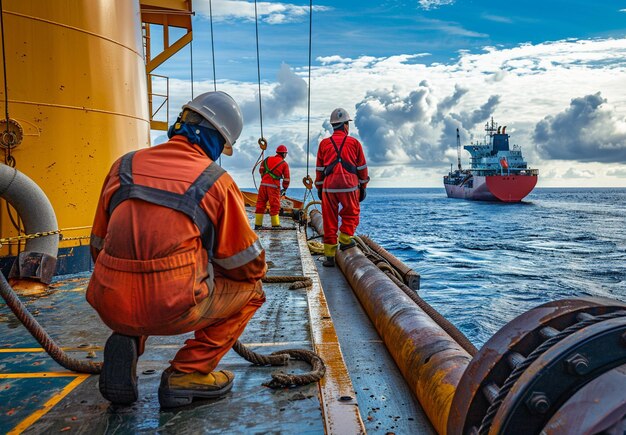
point(209, 139)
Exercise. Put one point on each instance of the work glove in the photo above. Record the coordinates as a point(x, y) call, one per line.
point(362, 194)
point(283, 192)
point(319, 194)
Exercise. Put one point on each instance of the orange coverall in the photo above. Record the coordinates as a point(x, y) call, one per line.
point(340, 186)
point(270, 186)
point(154, 276)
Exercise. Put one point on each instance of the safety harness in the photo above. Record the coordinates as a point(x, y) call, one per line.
point(347, 166)
point(269, 171)
point(187, 203)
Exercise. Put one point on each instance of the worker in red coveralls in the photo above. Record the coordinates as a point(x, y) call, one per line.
point(341, 180)
point(174, 253)
point(272, 170)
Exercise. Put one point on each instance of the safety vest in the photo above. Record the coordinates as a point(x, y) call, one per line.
point(187, 203)
point(270, 172)
point(347, 166)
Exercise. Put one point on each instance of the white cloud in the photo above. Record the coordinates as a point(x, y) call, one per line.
point(281, 100)
point(497, 18)
point(269, 12)
point(586, 131)
point(620, 173)
point(415, 106)
point(578, 173)
point(434, 4)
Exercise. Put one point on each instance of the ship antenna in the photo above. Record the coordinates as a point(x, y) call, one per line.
point(458, 147)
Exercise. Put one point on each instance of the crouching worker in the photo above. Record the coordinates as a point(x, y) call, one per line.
point(272, 170)
point(174, 253)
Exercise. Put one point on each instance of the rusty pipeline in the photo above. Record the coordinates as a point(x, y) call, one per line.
point(431, 362)
point(409, 276)
point(317, 222)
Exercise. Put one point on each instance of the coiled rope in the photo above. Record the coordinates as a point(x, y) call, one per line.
point(278, 358)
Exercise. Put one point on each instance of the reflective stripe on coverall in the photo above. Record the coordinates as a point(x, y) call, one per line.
point(340, 177)
point(152, 272)
point(272, 170)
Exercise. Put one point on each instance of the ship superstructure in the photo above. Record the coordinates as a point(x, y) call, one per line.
point(498, 171)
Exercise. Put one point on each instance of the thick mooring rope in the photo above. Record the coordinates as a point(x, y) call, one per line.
point(279, 358)
point(57, 354)
point(298, 281)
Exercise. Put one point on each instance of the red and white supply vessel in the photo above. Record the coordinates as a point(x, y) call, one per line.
point(497, 172)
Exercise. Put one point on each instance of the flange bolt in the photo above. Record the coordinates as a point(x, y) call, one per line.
point(577, 364)
point(538, 403)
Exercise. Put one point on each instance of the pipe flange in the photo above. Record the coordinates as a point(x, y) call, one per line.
point(11, 135)
point(508, 348)
point(558, 373)
point(598, 407)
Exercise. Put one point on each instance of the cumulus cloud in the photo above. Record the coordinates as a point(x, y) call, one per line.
point(434, 4)
point(268, 12)
point(578, 173)
point(586, 131)
point(620, 173)
point(288, 94)
point(415, 128)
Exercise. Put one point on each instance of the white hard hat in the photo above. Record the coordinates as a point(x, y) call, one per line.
point(339, 116)
point(222, 112)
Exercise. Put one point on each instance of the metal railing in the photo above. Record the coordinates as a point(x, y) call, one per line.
point(163, 98)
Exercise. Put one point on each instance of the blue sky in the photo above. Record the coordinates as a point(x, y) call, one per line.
point(411, 72)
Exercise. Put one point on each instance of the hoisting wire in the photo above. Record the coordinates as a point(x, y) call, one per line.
point(307, 181)
point(213, 57)
point(212, 46)
point(191, 65)
point(262, 142)
point(8, 136)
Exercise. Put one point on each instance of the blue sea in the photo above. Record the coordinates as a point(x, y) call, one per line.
point(484, 263)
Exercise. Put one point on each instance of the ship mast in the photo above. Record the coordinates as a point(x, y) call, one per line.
point(458, 147)
point(491, 129)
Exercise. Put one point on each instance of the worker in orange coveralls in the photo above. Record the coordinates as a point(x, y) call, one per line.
point(272, 170)
point(341, 180)
point(174, 253)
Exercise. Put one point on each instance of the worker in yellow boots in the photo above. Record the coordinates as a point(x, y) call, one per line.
point(272, 170)
point(341, 180)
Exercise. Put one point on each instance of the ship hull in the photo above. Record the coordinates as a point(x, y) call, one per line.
point(505, 188)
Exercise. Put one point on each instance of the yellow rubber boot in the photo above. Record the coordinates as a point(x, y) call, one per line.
point(346, 241)
point(258, 221)
point(179, 389)
point(329, 252)
point(275, 221)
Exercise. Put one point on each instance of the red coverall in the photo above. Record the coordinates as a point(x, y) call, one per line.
point(340, 184)
point(270, 185)
point(153, 274)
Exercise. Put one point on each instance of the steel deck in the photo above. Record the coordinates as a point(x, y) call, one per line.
point(37, 395)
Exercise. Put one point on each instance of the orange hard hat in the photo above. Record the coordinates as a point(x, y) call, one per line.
point(281, 149)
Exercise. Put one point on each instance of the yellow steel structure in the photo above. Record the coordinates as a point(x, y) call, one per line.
point(77, 86)
point(164, 14)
